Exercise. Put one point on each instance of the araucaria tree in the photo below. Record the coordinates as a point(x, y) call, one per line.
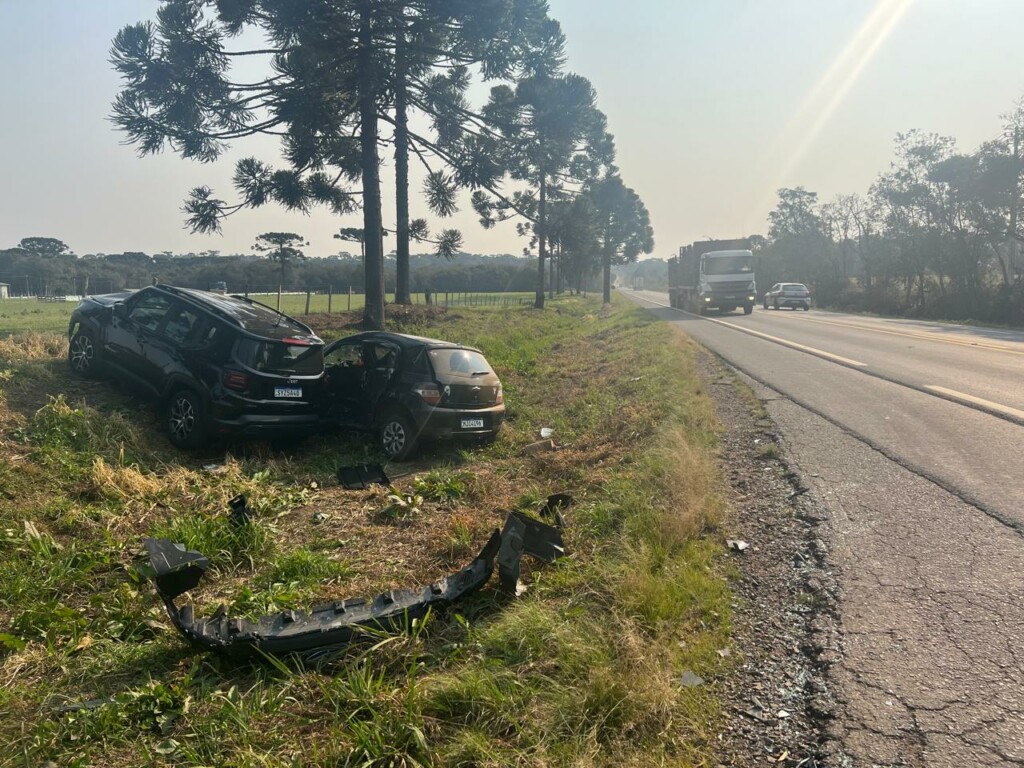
point(623, 225)
point(552, 137)
point(282, 247)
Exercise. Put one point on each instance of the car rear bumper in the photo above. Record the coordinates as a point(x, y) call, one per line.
point(251, 425)
point(448, 423)
point(793, 303)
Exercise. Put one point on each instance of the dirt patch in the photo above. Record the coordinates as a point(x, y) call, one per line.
point(778, 704)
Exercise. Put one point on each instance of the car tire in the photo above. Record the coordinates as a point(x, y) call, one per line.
point(776, 305)
point(84, 355)
point(186, 419)
point(807, 307)
point(397, 436)
point(766, 303)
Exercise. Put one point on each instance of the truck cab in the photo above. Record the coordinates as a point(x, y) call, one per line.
point(727, 281)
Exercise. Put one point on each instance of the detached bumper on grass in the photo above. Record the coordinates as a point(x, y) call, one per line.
point(326, 627)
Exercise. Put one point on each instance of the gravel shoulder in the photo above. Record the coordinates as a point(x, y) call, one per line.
point(779, 704)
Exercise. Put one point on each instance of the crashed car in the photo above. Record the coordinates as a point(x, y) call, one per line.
point(215, 365)
point(409, 388)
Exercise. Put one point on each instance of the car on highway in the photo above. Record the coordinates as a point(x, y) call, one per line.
point(792, 295)
point(216, 365)
point(409, 388)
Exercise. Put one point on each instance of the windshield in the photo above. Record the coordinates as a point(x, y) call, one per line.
point(459, 362)
point(729, 265)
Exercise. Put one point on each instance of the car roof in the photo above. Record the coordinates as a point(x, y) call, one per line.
point(404, 340)
point(799, 284)
point(251, 316)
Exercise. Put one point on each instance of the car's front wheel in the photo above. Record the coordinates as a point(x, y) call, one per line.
point(83, 354)
point(397, 436)
point(186, 419)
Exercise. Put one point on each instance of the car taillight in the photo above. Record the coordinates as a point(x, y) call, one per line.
point(499, 395)
point(235, 380)
point(429, 392)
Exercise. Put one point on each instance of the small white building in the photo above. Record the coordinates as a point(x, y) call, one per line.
point(5, 291)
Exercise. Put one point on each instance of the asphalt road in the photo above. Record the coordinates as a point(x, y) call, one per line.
point(910, 435)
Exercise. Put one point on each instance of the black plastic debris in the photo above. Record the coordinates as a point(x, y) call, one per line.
point(553, 507)
point(361, 477)
point(176, 570)
point(240, 514)
point(333, 625)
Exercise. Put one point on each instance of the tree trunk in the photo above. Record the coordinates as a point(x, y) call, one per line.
point(402, 292)
point(538, 302)
point(373, 311)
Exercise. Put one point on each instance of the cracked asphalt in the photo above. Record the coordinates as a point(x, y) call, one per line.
point(919, 500)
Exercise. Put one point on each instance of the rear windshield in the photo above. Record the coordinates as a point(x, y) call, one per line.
point(794, 287)
point(458, 362)
point(282, 358)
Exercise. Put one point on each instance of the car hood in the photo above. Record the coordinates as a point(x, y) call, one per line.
point(107, 299)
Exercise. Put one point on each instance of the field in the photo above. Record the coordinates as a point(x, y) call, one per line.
point(19, 315)
point(582, 669)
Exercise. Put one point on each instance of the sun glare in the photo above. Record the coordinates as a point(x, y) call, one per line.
point(827, 94)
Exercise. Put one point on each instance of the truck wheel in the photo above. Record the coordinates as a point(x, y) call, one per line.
point(748, 308)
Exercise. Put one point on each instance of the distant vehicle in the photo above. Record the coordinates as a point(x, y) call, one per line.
point(714, 274)
point(217, 365)
point(408, 388)
point(792, 295)
point(220, 287)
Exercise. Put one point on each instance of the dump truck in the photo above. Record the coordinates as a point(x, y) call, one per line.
point(713, 274)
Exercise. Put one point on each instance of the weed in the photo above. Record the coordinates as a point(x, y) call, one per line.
point(400, 506)
point(437, 485)
point(768, 451)
point(228, 546)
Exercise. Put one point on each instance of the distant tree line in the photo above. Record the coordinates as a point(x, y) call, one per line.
point(46, 266)
point(939, 234)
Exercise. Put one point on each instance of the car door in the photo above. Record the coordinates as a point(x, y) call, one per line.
point(345, 369)
point(167, 350)
point(382, 362)
point(126, 333)
point(147, 316)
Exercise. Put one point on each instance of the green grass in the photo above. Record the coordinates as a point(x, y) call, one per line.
point(581, 670)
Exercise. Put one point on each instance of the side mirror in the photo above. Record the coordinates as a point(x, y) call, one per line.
point(120, 311)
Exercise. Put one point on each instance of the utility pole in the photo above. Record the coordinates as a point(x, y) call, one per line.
point(1014, 204)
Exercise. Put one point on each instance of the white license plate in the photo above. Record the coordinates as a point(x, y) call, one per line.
point(287, 391)
point(472, 423)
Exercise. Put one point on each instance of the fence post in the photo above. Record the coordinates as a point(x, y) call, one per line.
point(247, 290)
point(307, 300)
point(330, 297)
point(278, 298)
point(350, 298)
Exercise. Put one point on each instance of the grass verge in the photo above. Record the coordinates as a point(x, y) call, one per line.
point(584, 669)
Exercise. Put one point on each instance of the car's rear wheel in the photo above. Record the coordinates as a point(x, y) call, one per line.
point(397, 436)
point(83, 355)
point(766, 303)
point(776, 305)
point(186, 419)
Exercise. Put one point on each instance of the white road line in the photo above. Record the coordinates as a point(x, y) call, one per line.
point(981, 403)
point(792, 344)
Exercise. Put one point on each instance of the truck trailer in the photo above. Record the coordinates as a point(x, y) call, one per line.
point(713, 274)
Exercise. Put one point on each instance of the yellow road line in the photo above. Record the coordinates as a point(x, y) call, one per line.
point(982, 403)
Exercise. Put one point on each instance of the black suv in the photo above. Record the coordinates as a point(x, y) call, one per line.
point(218, 365)
point(408, 387)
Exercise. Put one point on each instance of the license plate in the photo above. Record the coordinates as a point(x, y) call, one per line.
point(472, 423)
point(287, 391)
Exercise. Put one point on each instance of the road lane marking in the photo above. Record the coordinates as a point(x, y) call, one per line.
point(784, 342)
point(987, 405)
point(792, 344)
point(992, 346)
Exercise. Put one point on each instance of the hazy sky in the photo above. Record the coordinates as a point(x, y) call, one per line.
point(714, 104)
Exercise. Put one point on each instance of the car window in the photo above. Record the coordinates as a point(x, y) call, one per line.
point(149, 311)
point(458, 362)
point(281, 357)
point(383, 355)
point(182, 324)
point(346, 355)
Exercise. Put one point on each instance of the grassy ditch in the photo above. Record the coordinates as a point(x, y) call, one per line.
point(584, 669)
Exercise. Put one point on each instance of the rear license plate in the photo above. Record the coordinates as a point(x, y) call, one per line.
point(287, 391)
point(472, 423)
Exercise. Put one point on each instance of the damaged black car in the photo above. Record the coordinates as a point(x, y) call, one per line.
point(409, 389)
